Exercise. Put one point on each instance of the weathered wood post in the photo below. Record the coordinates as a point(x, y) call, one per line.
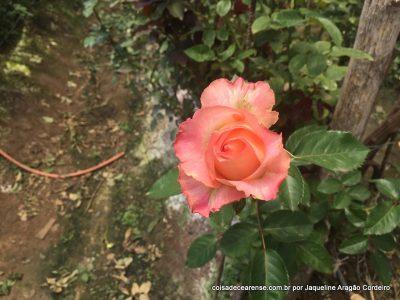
point(377, 33)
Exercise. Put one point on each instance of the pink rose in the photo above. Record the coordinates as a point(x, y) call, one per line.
point(226, 151)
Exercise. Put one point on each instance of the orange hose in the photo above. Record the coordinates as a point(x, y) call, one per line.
point(61, 176)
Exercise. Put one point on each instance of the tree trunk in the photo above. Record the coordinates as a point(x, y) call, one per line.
point(377, 33)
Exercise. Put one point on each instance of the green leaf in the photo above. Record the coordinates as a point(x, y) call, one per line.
point(333, 150)
point(384, 242)
point(88, 7)
point(246, 53)
point(315, 256)
point(319, 235)
point(176, 9)
point(289, 17)
point(166, 186)
point(352, 178)
point(267, 269)
point(238, 65)
point(354, 245)
point(357, 217)
point(383, 218)
point(222, 218)
point(209, 37)
point(342, 200)
point(359, 192)
point(296, 63)
point(288, 226)
point(295, 139)
point(223, 34)
point(227, 53)
point(316, 64)
point(318, 210)
point(329, 186)
point(294, 190)
point(223, 7)
point(322, 46)
point(332, 29)
point(350, 52)
point(260, 24)
point(335, 72)
point(381, 266)
point(200, 53)
point(389, 187)
point(237, 240)
point(201, 251)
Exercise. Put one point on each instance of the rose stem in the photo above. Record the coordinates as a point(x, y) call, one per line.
point(259, 219)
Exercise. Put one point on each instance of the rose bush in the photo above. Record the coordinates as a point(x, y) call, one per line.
point(226, 150)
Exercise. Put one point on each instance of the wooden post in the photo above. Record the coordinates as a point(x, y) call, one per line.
point(377, 33)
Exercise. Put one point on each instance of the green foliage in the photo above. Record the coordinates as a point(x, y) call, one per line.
point(223, 7)
point(200, 53)
point(260, 24)
point(383, 218)
point(237, 240)
point(194, 43)
point(381, 266)
point(88, 8)
point(350, 52)
point(166, 186)
point(14, 14)
point(332, 29)
point(354, 245)
point(5, 286)
point(351, 178)
point(389, 187)
point(315, 256)
point(333, 150)
point(288, 226)
point(329, 186)
point(384, 242)
point(341, 200)
point(201, 251)
point(267, 269)
point(294, 190)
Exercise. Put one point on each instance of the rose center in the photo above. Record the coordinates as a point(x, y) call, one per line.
point(235, 158)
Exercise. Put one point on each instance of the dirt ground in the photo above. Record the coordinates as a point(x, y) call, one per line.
point(82, 238)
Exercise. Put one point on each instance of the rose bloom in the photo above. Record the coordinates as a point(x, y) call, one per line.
point(226, 151)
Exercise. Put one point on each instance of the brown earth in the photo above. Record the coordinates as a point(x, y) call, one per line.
point(61, 118)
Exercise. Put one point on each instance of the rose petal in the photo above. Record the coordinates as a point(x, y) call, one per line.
point(267, 186)
point(193, 138)
point(258, 98)
point(265, 181)
point(238, 161)
point(202, 199)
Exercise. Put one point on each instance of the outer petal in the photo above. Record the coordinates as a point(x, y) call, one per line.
point(267, 186)
point(258, 98)
point(197, 194)
point(264, 183)
point(193, 138)
point(202, 199)
point(218, 93)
